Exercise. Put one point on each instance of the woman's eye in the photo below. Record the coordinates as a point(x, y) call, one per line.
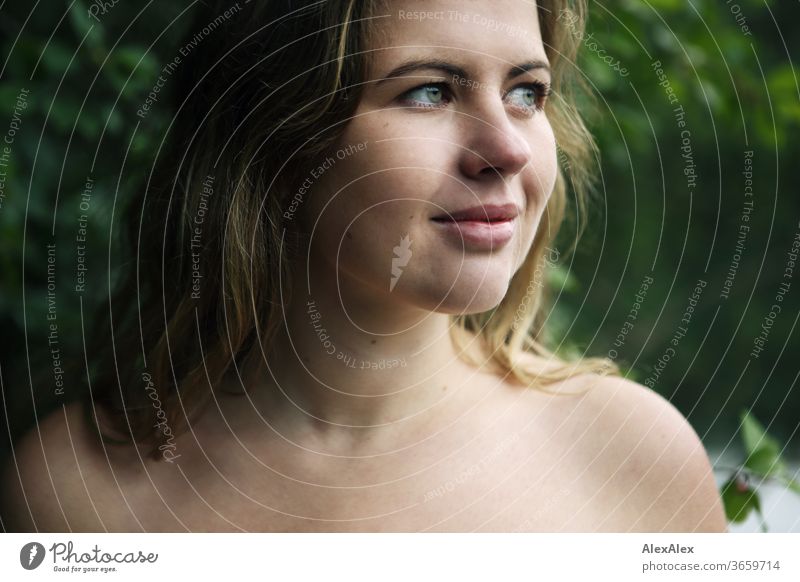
point(529, 96)
point(432, 95)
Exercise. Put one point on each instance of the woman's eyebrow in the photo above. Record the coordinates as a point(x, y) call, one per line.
point(416, 65)
point(454, 70)
point(522, 68)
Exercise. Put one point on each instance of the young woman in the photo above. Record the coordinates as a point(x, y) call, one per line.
point(334, 322)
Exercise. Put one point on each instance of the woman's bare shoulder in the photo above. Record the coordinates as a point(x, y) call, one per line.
point(59, 476)
point(650, 454)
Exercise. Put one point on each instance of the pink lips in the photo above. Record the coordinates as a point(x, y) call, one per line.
point(490, 212)
point(484, 227)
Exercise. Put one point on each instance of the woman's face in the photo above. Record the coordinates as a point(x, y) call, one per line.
point(450, 119)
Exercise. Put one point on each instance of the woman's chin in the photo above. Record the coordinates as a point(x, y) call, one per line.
point(464, 300)
point(477, 305)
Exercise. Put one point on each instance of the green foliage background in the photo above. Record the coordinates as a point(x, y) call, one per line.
point(87, 77)
point(739, 93)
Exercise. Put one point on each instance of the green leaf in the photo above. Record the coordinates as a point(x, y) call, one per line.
point(752, 432)
point(559, 277)
point(739, 500)
point(134, 59)
point(765, 461)
point(83, 24)
point(763, 451)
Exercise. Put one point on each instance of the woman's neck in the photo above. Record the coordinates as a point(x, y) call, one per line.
point(356, 367)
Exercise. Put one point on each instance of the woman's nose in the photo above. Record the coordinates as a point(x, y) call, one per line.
point(493, 145)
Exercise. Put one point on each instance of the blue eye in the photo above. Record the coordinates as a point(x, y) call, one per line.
point(530, 96)
point(431, 95)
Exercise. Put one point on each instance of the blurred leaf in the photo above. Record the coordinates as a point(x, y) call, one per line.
point(56, 58)
point(83, 24)
point(130, 59)
point(707, 92)
point(739, 499)
point(763, 451)
point(783, 85)
point(559, 277)
point(764, 462)
point(64, 113)
point(89, 125)
point(114, 122)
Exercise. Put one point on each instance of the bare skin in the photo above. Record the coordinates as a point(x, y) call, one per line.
point(436, 445)
point(617, 458)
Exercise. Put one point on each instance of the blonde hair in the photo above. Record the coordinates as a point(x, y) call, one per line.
point(242, 96)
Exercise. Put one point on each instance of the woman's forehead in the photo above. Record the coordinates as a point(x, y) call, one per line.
point(478, 32)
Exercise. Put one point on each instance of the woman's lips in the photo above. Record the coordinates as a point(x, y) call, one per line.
point(477, 234)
